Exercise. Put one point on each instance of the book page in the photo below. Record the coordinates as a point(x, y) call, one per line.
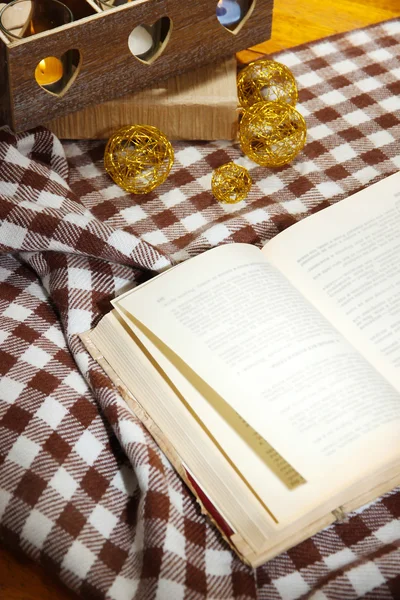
point(346, 261)
point(269, 476)
point(246, 331)
point(180, 433)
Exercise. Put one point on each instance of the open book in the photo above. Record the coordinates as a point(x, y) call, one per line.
point(271, 378)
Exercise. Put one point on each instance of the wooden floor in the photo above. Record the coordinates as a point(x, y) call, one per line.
point(294, 23)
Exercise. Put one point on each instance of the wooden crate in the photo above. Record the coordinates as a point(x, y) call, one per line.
point(107, 69)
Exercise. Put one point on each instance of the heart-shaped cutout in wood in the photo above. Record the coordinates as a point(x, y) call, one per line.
point(233, 14)
point(148, 42)
point(56, 75)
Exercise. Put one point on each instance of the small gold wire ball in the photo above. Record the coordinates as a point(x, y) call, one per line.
point(272, 133)
point(138, 158)
point(267, 81)
point(230, 183)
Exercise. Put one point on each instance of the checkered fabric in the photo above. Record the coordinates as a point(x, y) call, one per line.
point(83, 488)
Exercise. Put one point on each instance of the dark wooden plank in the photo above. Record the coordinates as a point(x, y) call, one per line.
point(5, 107)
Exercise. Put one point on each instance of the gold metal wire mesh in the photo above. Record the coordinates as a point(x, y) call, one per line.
point(138, 158)
point(267, 81)
point(272, 133)
point(230, 183)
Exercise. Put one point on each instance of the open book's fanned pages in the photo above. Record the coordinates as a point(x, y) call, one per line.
point(235, 336)
point(388, 481)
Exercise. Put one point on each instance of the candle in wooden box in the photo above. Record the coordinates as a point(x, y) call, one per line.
point(24, 18)
point(49, 71)
point(229, 12)
point(141, 40)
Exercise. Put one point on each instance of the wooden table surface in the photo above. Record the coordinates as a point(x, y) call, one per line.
point(294, 23)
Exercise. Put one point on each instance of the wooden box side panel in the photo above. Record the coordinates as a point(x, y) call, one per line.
point(108, 69)
point(5, 101)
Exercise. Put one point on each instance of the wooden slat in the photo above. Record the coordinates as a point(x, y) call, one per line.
point(199, 105)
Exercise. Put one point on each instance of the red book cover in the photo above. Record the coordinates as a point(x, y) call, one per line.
point(209, 506)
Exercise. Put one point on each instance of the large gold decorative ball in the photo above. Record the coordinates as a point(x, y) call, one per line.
point(138, 158)
point(266, 81)
point(230, 183)
point(272, 133)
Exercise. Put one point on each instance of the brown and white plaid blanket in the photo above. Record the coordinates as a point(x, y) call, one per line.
point(83, 488)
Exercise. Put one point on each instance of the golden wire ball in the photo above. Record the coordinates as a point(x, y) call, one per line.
point(272, 133)
point(138, 158)
point(230, 183)
point(266, 81)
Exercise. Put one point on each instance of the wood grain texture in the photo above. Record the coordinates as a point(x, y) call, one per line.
point(198, 105)
point(108, 69)
point(21, 579)
point(294, 23)
point(4, 88)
